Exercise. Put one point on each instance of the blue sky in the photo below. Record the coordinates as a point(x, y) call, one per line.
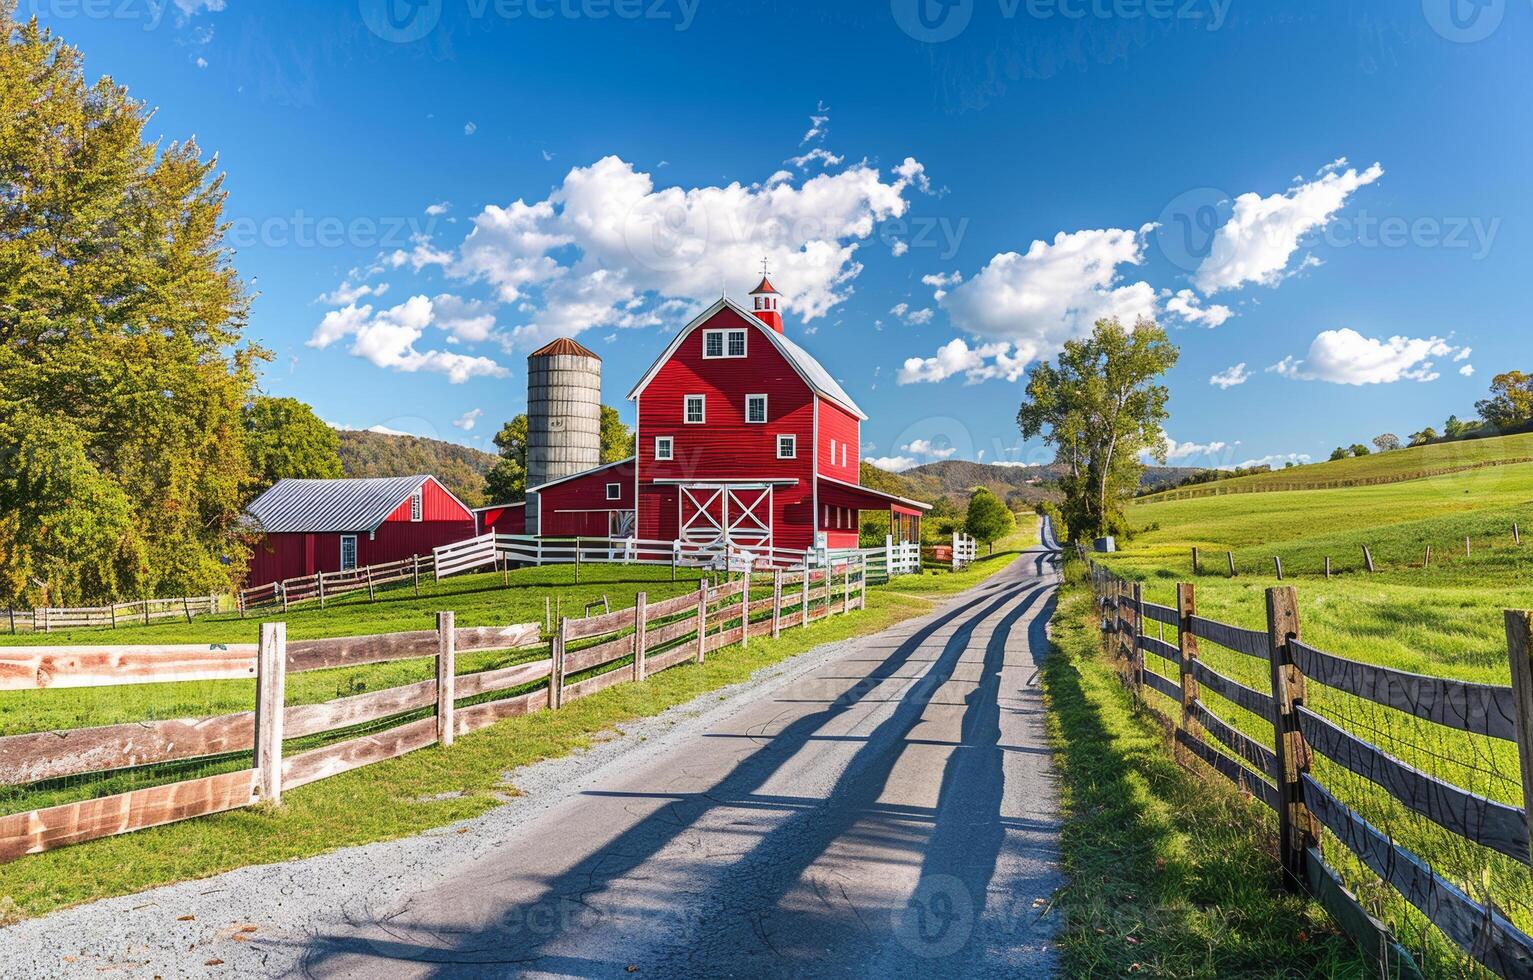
point(947, 190)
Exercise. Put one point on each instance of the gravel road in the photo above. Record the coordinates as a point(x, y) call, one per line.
point(878, 807)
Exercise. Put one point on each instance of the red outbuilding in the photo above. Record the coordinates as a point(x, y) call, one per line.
point(308, 526)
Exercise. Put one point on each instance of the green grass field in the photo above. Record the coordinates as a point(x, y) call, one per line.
point(1443, 619)
point(390, 799)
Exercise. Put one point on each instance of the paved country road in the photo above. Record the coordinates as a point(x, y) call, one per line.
point(879, 807)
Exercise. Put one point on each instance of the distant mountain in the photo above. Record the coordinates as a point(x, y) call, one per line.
point(1020, 486)
point(460, 468)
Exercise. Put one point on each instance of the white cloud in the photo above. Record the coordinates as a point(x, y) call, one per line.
point(349, 292)
point(438, 209)
point(387, 339)
point(468, 419)
point(1189, 450)
point(380, 429)
point(1347, 357)
point(190, 8)
point(899, 247)
point(924, 447)
point(1052, 293)
point(1276, 461)
point(1258, 241)
point(470, 128)
point(913, 317)
point(1467, 370)
point(976, 364)
point(893, 464)
point(817, 127)
point(817, 155)
point(900, 309)
point(1186, 305)
point(201, 62)
point(940, 281)
point(1463, 354)
point(607, 247)
point(466, 320)
point(1231, 376)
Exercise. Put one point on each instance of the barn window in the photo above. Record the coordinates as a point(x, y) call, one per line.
point(755, 408)
point(695, 410)
point(663, 447)
point(416, 506)
point(737, 343)
point(787, 447)
point(348, 552)
point(614, 491)
point(713, 343)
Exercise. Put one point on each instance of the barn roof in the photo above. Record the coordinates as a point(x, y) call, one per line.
point(803, 362)
point(327, 506)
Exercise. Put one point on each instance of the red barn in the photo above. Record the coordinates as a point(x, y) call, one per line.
point(742, 437)
point(309, 526)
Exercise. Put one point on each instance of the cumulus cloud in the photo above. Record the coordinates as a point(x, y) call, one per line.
point(468, 419)
point(1231, 376)
point(940, 283)
point(387, 339)
point(1467, 370)
point(189, 8)
point(925, 447)
point(349, 292)
point(819, 155)
point(893, 464)
point(1347, 357)
point(1186, 305)
point(608, 247)
point(470, 128)
point(1189, 450)
point(915, 318)
point(976, 364)
point(465, 320)
point(1276, 460)
point(438, 209)
point(1263, 233)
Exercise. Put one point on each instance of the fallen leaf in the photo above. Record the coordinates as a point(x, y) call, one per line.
point(187, 918)
point(240, 937)
point(214, 962)
point(249, 928)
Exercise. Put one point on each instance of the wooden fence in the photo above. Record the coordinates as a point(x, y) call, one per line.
point(1369, 559)
point(332, 585)
point(584, 656)
point(1259, 484)
point(141, 612)
point(1278, 770)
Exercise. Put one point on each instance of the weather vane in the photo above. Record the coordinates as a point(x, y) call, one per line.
point(763, 266)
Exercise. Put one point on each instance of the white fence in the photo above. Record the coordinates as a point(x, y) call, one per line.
point(141, 612)
point(965, 550)
point(902, 557)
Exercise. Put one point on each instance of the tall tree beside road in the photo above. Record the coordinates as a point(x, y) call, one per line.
point(1101, 408)
point(988, 519)
point(122, 367)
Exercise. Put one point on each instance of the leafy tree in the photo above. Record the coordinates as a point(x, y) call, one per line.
point(120, 313)
point(1386, 442)
point(1358, 449)
point(506, 483)
point(284, 438)
point(616, 438)
point(989, 519)
point(1453, 428)
point(1423, 437)
point(1340, 453)
point(1100, 409)
point(1511, 401)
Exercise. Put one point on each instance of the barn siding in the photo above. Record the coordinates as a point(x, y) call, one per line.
point(837, 424)
point(579, 506)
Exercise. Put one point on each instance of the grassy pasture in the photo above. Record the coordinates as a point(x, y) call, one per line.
point(1445, 619)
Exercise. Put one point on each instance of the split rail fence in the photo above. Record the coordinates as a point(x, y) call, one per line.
point(1290, 742)
point(1222, 488)
point(582, 657)
point(140, 612)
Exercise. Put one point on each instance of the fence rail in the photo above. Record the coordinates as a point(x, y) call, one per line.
point(1279, 772)
point(584, 656)
point(141, 611)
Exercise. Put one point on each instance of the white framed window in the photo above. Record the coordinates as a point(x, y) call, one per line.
point(755, 408)
point(416, 507)
point(723, 343)
point(694, 409)
point(348, 552)
point(787, 447)
point(614, 491)
point(664, 447)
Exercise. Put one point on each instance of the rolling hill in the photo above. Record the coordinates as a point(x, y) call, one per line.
point(460, 468)
point(1020, 486)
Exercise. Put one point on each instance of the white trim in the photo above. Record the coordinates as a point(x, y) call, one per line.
point(877, 493)
point(750, 321)
point(764, 416)
point(670, 449)
point(787, 435)
point(723, 345)
point(418, 505)
point(833, 452)
point(481, 510)
point(724, 334)
point(614, 496)
point(741, 481)
point(355, 552)
point(686, 410)
point(576, 476)
point(745, 344)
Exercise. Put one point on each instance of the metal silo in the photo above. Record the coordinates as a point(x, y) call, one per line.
point(563, 416)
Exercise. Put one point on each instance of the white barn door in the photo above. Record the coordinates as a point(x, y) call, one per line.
point(716, 515)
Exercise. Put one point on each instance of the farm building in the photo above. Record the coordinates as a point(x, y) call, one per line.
point(742, 437)
point(308, 526)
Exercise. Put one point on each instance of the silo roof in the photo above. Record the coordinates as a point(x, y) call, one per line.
point(563, 346)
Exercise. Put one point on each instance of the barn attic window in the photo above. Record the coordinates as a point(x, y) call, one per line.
point(416, 507)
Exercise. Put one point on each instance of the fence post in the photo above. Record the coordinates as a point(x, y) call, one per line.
point(776, 603)
point(1277, 562)
point(1187, 645)
point(11, 610)
point(675, 557)
point(702, 617)
point(371, 595)
point(415, 572)
point(146, 612)
point(846, 587)
point(556, 676)
point(745, 605)
point(1519, 643)
point(321, 578)
point(1428, 562)
point(112, 607)
point(640, 631)
point(577, 561)
point(1516, 534)
point(804, 606)
point(862, 582)
point(1136, 655)
point(271, 681)
point(1327, 566)
point(186, 607)
point(1195, 569)
point(446, 675)
point(889, 554)
point(284, 596)
point(1297, 827)
point(1231, 556)
point(1466, 547)
point(1368, 559)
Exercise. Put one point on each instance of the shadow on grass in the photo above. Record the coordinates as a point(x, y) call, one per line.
point(1169, 875)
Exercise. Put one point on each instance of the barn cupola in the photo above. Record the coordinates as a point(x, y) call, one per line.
point(765, 300)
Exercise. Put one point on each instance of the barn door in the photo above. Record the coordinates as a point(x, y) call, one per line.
point(714, 515)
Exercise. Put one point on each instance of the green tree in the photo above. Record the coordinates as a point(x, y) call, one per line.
point(1453, 428)
point(1358, 449)
point(616, 438)
point(1511, 400)
point(1386, 442)
point(120, 312)
point(284, 438)
point(1101, 408)
point(1423, 437)
point(988, 519)
point(506, 483)
point(1340, 453)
